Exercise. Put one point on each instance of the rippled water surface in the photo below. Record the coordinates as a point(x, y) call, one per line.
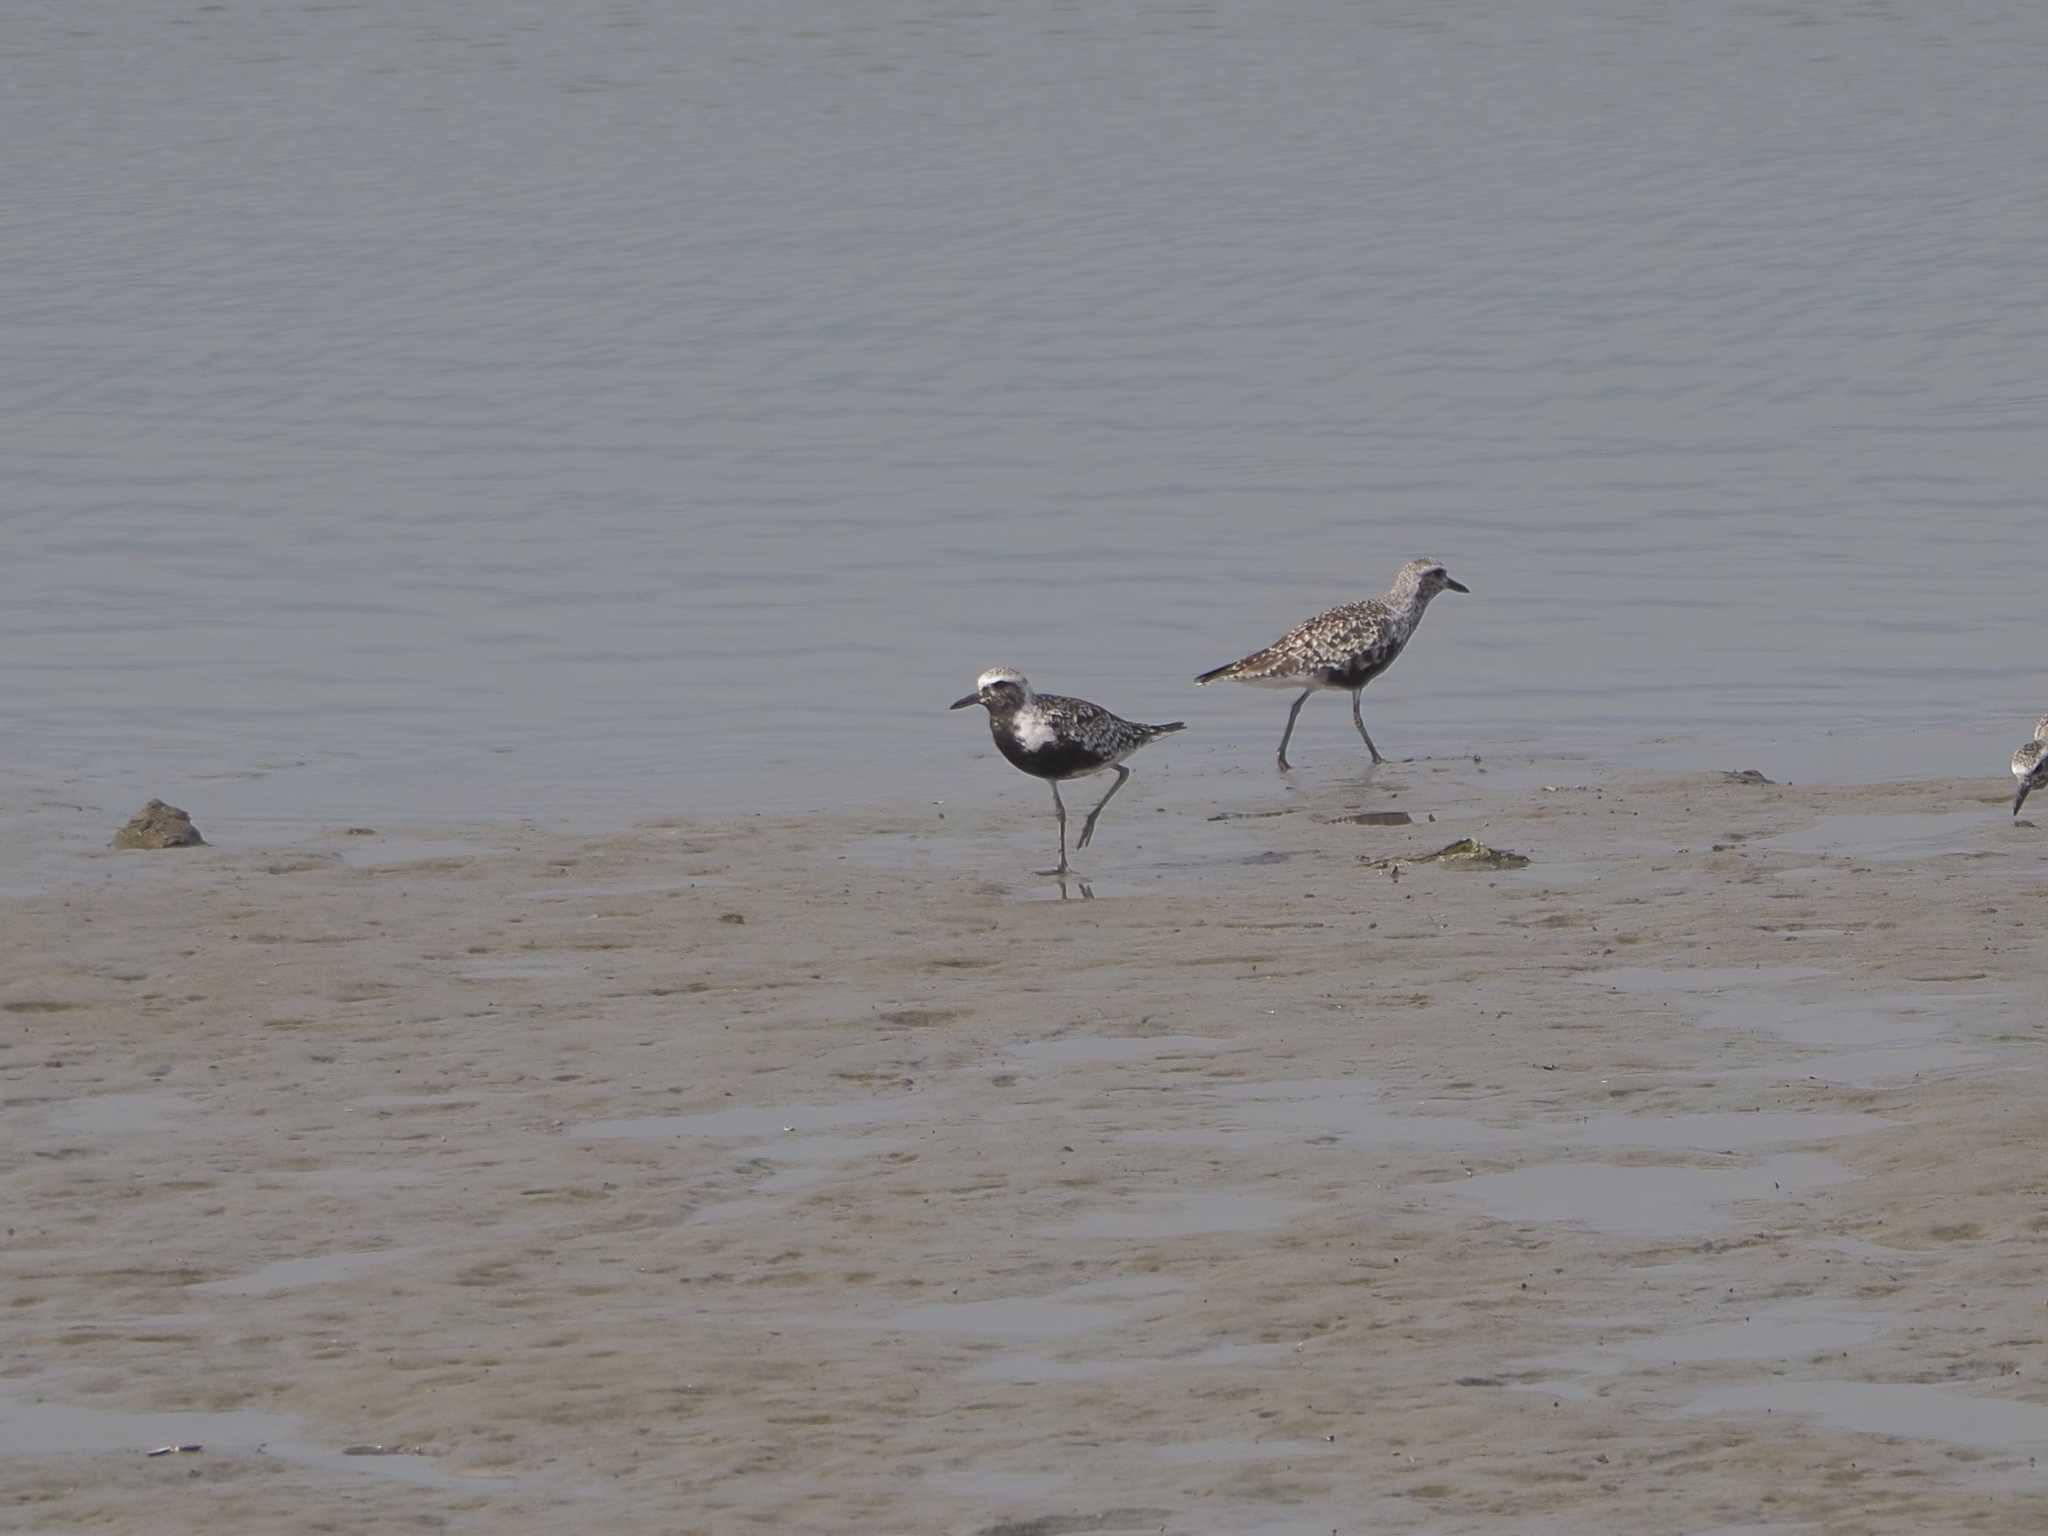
point(498, 407)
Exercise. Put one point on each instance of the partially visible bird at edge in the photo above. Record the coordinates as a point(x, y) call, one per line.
point(2030, 765)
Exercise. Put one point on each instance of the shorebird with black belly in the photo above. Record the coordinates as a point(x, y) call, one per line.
point(1344, 648)
point(1054, 738)
point(2030, 765)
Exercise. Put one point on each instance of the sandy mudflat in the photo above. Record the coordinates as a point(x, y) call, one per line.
point(821, 1175)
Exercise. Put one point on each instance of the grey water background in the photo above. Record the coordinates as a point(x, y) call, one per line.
point(586, 410)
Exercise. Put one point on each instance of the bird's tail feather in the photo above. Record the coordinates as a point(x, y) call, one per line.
point(1169, 729)
point(1219, 672)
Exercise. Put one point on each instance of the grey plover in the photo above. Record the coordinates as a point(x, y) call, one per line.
point(1346, 647)
point(1053, 737)
point(2030, 765)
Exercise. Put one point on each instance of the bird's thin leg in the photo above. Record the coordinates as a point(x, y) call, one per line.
point(1088, 826)
point(1059, 806)
point(1288, 734)
point(1359, 720)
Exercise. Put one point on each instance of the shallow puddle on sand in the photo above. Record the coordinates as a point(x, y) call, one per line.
point(1908, 1410)
point(1009, 860)
point(1023, 1369)
point(755, 1121)
point(1875, 1039)
point(770, 1135)
point(1008, 1317)
point(997, 1487)
point(546, 892)
point(1111, 1050)
point(1351, 1110)
point(1030, 1370)
point(812, 1159)
point(120, 1114)
point(1205, 1451)
point(1787, 1330)
point(413, 1100)
point(1727, 1131)
point(392, 850)
point(1887, 1064)
point(1312, 1518)
point(1060, 1314)
point(1638, 1201)
point(1187, 1214)
point(811, 1150)
point(293, 1274)
point(34, 1427)
point(1708, 980)
point(521, 968)
point(357, 1180)
point(1238, 1354)
point(1877, 1253)
point(1904, 835)
point(1346, 1109)
point(1854, 1022)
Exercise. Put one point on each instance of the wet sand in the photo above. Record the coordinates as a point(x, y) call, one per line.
point(829, 1175)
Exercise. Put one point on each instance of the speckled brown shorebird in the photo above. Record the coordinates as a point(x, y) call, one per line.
point(1343, 648)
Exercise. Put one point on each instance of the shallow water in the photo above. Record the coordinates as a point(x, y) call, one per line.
point(1105, 1050)
point(1788, 1330)
point(34, 1427)
point(1889, 836)
point(1068, 1313)
point(1726, 1131)
point(1246, 1450)
point(1911, 1410)
point(1185, 1214)
point(1027, 1368)
point(116, 1114)
point(1861, 1041)
point(486, 408)
point(1640, 1200)
point(751, 1121)
point(315, 1269)
point(999, 1487)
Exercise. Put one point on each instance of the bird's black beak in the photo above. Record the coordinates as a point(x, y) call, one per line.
point(2020, 799)
point(1457, 586)
point(972, 698)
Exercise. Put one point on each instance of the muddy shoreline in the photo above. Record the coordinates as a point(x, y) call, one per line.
point(831, 1174)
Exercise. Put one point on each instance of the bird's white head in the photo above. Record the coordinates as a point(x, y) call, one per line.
point(2041, 729)
point(1420, 580)
point(1000, 690)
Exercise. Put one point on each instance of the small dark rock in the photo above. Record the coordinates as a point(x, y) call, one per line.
point(158, 825)
point(1746, 776)
point(732, 917)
